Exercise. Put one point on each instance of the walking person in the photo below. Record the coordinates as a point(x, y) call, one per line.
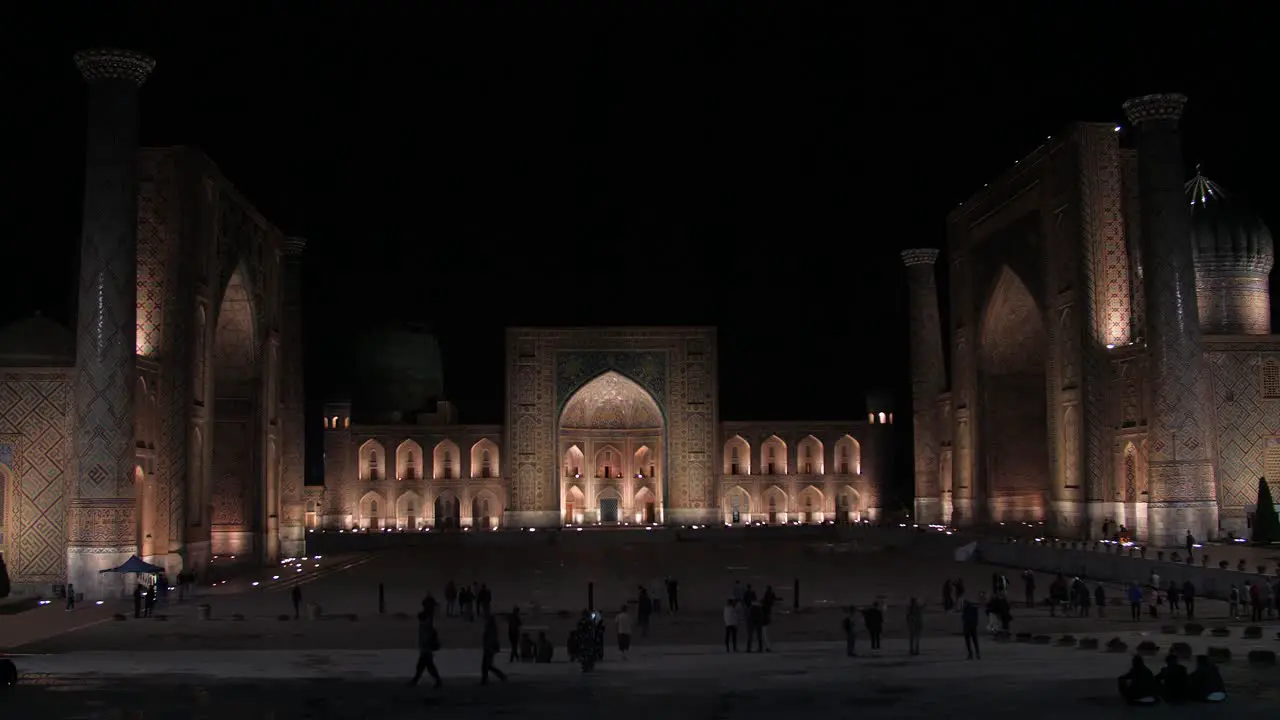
point(1189, 599)
point(730, 627)
point(1029, 587)
point(849, 625)
point(1100, 599)
point(969, 624)
point(1135, 602)
point(1233, 604)
point(766, 606)
point(296, 595)
point(643, 609)
point(489, 648)
point(513, 633)
point(622, 625)
point(71, 596)
point(428, 644)
point(915, 626)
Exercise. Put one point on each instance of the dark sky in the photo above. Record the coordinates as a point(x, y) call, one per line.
point(756, 166)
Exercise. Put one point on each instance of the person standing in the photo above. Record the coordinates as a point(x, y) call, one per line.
point(673, 595)
point(1189, 599)
point(1100, 599)
point(489, 648)
point(1029, 587)
point(849, 625)
point(1233, 603)
point(766, 605)
point(513, 633)
point(915, 626)
point(755, 627)
point(71, 596)
point(1191, 545)
point(428, 644)
point(622, 624)
point(730, 627)
point(450, 599)
point(296, 595)
point(873, 618)
point(1135, 602)
point(643, 609)
point(969, 624)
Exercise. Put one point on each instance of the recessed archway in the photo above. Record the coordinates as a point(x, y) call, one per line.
point(236, 481)
point(1013, 354)
point(611, 437)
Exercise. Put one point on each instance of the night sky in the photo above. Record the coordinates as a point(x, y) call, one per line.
point(756, 167)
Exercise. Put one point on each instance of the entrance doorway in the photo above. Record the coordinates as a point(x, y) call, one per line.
point(447, 513)
point(609, 510)
point(650, 515)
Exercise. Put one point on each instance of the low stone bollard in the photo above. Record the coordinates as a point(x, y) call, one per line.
point(119, 617)
point(1194, 629)
point(284, 618)
point(1088, 644)
point(237, 617)
point(1168, 629)
point(1221, 631)
point(159, 618)
point(1252, 632)
point(1181, 650)
point(204, 611)
point(1262, 657)
point(1116, 645)
point(1067, 641)
point(1148, 648)
point(1003, 636)
point(1219, 654)
point(1041, 640)
point(314, 611)
point(1023, 637)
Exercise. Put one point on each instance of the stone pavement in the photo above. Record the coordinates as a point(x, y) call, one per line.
point(1012, 680)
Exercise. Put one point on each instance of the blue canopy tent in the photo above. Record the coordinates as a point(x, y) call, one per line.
point(134, 565)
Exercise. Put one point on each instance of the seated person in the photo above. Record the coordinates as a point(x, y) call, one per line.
point(1138, 686)
point(544, 648)
point(1205, 682)
point(1173, 680)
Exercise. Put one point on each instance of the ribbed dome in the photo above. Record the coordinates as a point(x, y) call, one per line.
point(1225, 235)
point(398, 372)
point(36, 341)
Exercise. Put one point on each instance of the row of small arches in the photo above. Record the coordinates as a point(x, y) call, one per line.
point(446, 461)
point(810, 458)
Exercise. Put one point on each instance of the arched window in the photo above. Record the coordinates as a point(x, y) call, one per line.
point(485, 465)
point(373, 464)
point(373, 507)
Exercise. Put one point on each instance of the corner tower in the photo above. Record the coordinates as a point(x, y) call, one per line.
point(1181, 485)
point(927, 381)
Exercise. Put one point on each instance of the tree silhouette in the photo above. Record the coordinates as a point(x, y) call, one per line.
point(1266, 524)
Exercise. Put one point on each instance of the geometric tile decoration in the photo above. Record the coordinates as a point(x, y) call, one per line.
point(35, 443)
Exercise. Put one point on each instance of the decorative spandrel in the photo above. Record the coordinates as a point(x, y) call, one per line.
point(575, 368)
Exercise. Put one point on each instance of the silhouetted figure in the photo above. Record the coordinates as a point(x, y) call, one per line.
point(149, 602)
point(643, 610)
point(428, 644)
point(730, 627)
point(915, 626)
point(755, 627)
point(673, 595)
point(873, 618)
point(138, 593)
point(513, 633)
point(1029, 587)
point(465, 599)
point(488, 649)
point(1174, 594)
point(484, 599)
point(1189, 599)
point(1205, 684)
point(1100, 599)
point(1138, 686)
point(450, 599)
point(1135, 602)
point(1173, 680)
point(1191, 544)
point(766, 606)
point(849, 625)
point(429, 605)
point(71, 596)
point(948, 591)
point(382, 599)
point(969, 624)
point(544, 650)
point(296, 595)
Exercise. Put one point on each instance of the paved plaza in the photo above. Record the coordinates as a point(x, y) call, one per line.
point(343, 667)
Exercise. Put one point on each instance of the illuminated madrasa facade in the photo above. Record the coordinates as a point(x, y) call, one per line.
point(169, 422)
point(1111, 357)
point(603, 426)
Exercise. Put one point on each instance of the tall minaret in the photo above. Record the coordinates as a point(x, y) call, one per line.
point(293, 402)
point(927, 380)
point(102, 518)
point(1182, 492)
